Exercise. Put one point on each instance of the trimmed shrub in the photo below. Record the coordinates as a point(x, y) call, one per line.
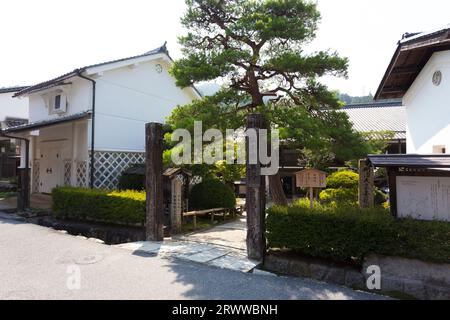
point(341, 196)
point(342, 190)
point(211, 193)
point(131, 182)
point(118, 207)
point(350, 234)
point(343, 179)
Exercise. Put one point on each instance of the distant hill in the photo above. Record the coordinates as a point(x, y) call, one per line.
point(347, 99)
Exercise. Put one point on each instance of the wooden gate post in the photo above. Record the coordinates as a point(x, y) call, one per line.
point(23, 194)
point(255, 197)
point(366, 185)
point(154, 182)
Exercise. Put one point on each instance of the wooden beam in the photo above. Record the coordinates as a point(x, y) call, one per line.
point(405, 70)
point(393, 89)
point(154, 182)
point(255, 197)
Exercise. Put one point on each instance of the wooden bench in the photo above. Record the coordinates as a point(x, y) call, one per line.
point(212, 212)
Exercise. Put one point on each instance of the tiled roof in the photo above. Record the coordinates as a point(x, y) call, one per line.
point(46, 123)
point(373, 117)
point(411, 160)
point(412, 54)
point(12, 89)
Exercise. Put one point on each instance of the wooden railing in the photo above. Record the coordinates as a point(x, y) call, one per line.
point(222, 212)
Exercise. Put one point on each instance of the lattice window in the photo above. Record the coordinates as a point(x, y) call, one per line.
point(36, 176)
point(110, 165)
point(82, 173)
point(67, 172)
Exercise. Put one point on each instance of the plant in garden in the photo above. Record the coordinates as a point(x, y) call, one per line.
point(256, 49)
point(118, 207)
point(211, 193)
point(342, 190)
point(349, 234)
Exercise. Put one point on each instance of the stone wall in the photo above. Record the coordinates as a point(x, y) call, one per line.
point(400, 277)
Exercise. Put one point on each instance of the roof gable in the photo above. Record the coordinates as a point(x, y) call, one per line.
point(412, 54)
point(160, 52)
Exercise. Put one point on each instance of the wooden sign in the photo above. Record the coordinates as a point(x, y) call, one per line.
point(311, 178)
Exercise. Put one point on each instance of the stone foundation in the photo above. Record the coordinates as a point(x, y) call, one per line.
point(400, 277)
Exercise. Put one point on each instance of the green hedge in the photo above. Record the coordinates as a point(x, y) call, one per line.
point(348, 235)
point(211, 193)
point(118, 207)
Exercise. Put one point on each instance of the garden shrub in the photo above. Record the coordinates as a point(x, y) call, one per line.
point(118, 207)
point(131, 182)
point(211, 193)
point(342, 189)
point(343, 179)
point(341, 196)
point(350, 234)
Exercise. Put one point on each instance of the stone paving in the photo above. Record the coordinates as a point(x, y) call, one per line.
point(222, 246)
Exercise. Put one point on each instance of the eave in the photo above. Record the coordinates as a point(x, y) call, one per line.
point(411, 56)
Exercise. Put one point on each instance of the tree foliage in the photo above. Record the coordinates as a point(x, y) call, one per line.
point(257, 50)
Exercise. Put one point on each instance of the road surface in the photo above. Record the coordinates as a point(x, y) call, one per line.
point(41, 263)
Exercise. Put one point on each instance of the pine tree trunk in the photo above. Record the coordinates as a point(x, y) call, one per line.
point(276, 190)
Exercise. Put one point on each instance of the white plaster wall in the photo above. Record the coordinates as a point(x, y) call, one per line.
point(428, 107)
point(79, 99)
point(130, 97)
point(13, 107)
point(61, 136)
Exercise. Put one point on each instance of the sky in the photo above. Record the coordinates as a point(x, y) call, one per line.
point(46, 38)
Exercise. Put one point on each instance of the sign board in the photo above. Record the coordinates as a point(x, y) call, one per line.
point(311, 178)
point(424, 198)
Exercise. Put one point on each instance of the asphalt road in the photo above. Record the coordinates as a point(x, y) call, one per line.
point(40, 263)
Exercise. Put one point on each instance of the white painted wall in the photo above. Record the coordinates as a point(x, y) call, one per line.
point(79, 97)
point(130, 97)
point(13, 107)
point(428, 107)
point(127, 98)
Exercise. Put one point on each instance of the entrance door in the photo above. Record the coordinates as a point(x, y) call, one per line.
point(51, 169)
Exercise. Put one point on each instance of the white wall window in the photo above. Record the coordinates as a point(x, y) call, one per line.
point(58, 103)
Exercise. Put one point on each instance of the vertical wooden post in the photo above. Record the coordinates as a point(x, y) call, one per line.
point(255, 197)
point(23, 195)
point(176, 206)
point(366, 185)
point(311, 197)
point(154, 182)
point(392, 180)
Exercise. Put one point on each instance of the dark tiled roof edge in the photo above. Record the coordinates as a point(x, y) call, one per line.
point(48, 122)
point(12, 89)
point(373, 105)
